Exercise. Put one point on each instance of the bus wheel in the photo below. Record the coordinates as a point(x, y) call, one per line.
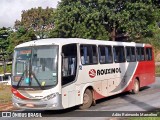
point(87, 99)
point(136, 87)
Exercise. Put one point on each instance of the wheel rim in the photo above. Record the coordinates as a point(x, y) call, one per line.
point(85, 98)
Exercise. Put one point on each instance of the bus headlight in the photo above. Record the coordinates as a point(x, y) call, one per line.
point(51, 96)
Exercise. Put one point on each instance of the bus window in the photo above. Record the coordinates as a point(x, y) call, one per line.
point(118, 52)
point(133, 54)
point(140, 53)
point(94, 52)
point(105, 54)
point(148, 52)
point(88, 54)
point(69, 63)
point(1, 78)
point(130, 54)
point(5, 78)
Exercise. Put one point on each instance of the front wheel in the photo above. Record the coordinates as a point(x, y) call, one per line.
point(87, 99)
point(136, 87)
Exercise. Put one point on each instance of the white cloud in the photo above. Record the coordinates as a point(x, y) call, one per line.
point(10, 10)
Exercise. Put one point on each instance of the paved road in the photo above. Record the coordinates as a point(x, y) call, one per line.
point(146, 100)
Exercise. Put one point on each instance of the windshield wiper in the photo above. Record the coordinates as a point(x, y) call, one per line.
point(32, 73)
point(18, 85)
point(37, 80)
point(29, 75)
point(21, 79)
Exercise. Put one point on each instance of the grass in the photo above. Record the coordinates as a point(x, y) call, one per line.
point(158, 70)
point(144, 118)
point(5, 95)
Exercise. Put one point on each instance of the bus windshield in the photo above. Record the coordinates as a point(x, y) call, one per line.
point(35, 67)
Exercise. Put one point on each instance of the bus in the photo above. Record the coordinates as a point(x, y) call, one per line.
point(5, 79)
point(60, 73)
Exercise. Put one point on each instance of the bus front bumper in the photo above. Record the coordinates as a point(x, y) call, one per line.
point(38, 104)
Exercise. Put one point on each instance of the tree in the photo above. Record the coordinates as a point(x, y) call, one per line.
point(80, 19)
point(98, 19)
point(4, 44)
point(20, 36)
point(37, 19)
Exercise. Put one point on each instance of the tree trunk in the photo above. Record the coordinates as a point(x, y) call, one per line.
point(113, 34)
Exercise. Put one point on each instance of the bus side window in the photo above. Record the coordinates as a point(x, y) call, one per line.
point(105, 54)
point(140, 53)
point(5, 78)
point(130, 54)
point(69, 63)
point(118, 52)
point(88, 54)
point(148, 54)
point(101, 50)
point(133, 54)
point(1, 78)
point(94, 52)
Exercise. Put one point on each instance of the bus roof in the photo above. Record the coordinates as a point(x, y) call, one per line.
point(62, 41)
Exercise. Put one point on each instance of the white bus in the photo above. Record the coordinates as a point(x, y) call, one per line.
point(5, 79)
point(64, 72)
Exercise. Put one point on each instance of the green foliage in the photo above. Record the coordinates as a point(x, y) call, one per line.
point(154, 40)
point(5, 96)
point(158, 70)
point(100, 19)
point(8, 69)
point(78, 19)
point(20, 36)
point(144, 118)
point(37, 19)
point(4, 42)
point(36, 22)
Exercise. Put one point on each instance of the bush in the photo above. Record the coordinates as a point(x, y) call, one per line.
point(8, 69)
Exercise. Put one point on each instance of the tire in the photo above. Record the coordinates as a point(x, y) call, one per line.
point(87, 99)
point(136, 87)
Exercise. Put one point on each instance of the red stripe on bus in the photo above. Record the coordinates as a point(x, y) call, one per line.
point(98, 95)
point(18, 94)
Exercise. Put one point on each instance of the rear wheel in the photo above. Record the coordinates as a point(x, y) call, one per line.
point(87, 99)
point(136, 87)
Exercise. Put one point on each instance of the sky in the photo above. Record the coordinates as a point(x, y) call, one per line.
point(10, 10)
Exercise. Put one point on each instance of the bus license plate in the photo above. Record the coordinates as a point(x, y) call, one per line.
point(30, 105)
